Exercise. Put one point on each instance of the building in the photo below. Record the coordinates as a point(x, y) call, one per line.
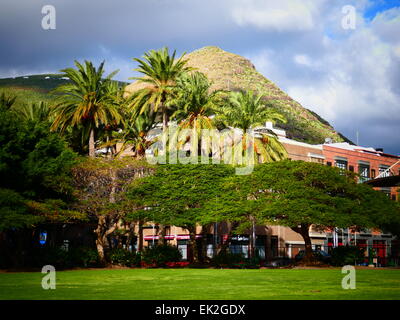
point(369, 163)
point(280, 241)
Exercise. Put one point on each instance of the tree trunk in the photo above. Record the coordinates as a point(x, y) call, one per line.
point(102, 232)
point(92, 153)
point(100, 239)
point(203, 252)
point(165, 120)
point(308, 256)
point(161, 234)
point(100, 250)
point(193, 252)
point(140, 237)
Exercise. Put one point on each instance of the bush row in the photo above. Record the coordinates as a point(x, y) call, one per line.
point(158, 256)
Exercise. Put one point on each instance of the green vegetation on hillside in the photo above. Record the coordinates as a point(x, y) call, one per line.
point(32, 88)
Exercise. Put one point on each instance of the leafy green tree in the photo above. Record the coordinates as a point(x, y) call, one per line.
point(86, 100)
point(33, 161)
point(177, 195)
point(245, 110)
point(100, 192)
point(35, 183)
point(300, 194)
point(160, 71)
point(14, 213)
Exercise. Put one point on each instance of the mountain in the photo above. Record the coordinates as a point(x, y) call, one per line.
point(31, 88)
point(232, 72)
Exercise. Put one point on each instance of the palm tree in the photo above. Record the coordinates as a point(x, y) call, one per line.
point(195, 103)
point(160, 70)
point(135, 133)
point(108, 131)
point(7, 102)
point(246, 111)
point(86, 101)
point(36, 112)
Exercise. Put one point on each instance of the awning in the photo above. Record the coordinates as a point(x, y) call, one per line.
point(392, 181)
point(172, 237)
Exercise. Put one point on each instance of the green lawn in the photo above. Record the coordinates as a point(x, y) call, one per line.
point(202, 284)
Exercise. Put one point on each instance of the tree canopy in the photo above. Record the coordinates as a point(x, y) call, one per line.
point(299, 194)
point(35, 167)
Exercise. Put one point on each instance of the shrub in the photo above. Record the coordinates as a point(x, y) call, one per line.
point(54, 256)
point(83, 257)
point(159, 255)
point(227, 259)
point(178, 264)
point(124, 257)
point(347, 255)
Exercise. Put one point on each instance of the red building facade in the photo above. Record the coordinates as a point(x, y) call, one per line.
point(367, 162)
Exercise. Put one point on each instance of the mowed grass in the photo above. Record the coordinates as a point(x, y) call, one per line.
point(208, 284)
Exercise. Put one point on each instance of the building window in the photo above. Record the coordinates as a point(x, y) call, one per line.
point(183, 248)
point(383, 171)
point(239, 244)
point(315, 157)
point(341, 164)
point(317, 160)
point(363, 170)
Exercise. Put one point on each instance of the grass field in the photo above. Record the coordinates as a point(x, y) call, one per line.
point(208, 284)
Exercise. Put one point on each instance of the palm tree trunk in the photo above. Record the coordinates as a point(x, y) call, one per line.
point(91, 144)
point(165, 120)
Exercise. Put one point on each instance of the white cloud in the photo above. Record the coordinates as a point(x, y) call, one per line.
point(302, 59)
point(283, 15)
point(350, 78)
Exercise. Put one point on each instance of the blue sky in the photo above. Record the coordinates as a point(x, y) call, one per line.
point(350, 77)
point(378, 6)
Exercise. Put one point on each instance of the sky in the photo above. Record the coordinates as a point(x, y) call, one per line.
point(342, 63)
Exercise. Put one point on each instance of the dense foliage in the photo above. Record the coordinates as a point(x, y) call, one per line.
point(160, 255)
point(35, 164)
point(45, 189)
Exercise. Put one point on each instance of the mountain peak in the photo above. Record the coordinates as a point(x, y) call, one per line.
point(232, 72)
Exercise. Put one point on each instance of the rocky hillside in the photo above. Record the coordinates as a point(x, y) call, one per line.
point(229, 71)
